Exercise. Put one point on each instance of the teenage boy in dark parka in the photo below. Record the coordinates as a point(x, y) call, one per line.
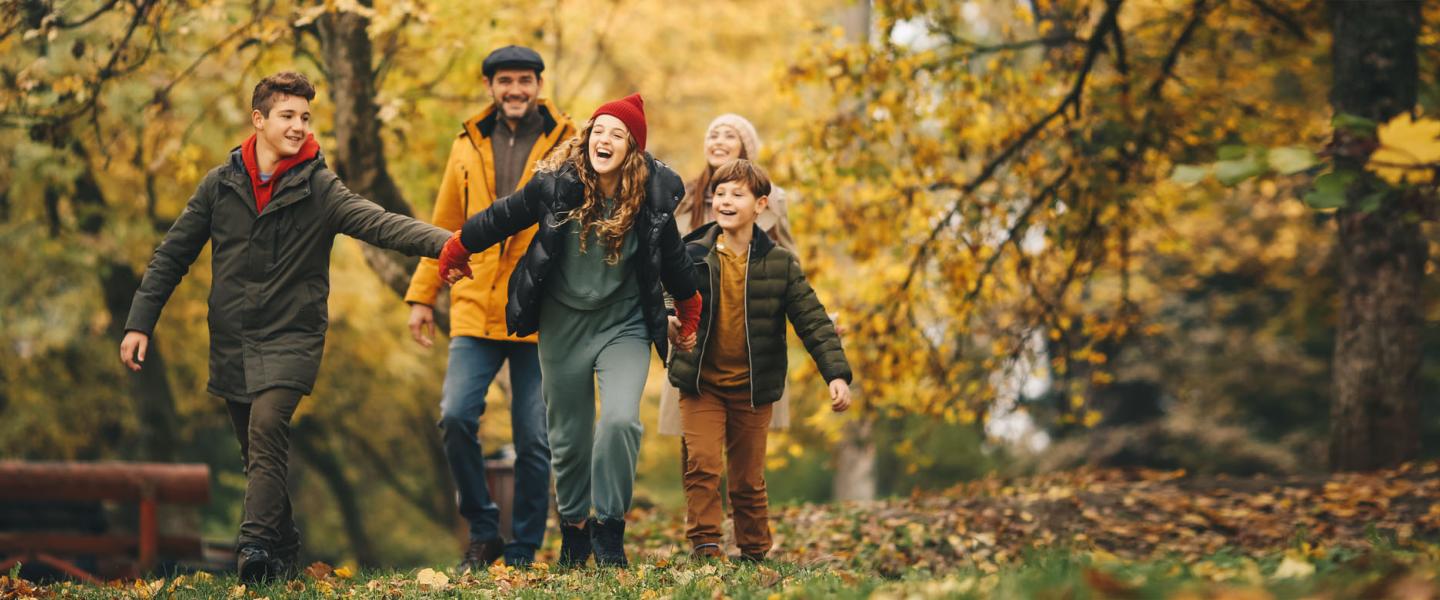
point(270, 213)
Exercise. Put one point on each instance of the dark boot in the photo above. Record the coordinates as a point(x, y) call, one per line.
point(609, 537)
point(754, 559)
point(575, 544)
point(285, 561)
point(254, 564)
point(482, 553)
point(520, 557)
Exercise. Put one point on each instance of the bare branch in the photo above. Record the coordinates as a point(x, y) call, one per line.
point(104, 8)
point(1093, 48)
point(1015, 231)
point(255, 17)
point(1167, 66)
point(1286, 20)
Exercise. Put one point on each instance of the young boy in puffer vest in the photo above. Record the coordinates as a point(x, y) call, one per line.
point(736, 370)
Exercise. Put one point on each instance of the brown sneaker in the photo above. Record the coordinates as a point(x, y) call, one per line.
point(482, 553)
point(707, 552)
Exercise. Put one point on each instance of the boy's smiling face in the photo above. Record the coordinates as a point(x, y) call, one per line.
point(736, 206)
point(284, 130)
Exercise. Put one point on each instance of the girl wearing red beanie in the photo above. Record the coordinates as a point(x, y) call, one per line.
point(593, 284)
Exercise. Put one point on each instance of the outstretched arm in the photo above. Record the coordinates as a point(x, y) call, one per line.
point(507, 216)
point(171, 261)
point(367, 221)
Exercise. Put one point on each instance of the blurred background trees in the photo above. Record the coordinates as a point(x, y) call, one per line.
point(993, 194)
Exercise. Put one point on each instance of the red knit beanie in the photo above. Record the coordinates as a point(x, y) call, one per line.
point(631, 111)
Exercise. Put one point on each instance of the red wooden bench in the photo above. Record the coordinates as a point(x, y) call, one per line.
point(146, 485)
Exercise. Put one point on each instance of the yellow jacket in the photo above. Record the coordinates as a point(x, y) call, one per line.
point(477, 306)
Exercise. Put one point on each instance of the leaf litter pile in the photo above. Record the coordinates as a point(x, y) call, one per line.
point(966, 541)
point(1131, 514)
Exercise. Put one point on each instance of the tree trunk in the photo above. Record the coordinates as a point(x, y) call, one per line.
point(359, 154)
point(313, 445)
point(1375, 411)
point(149, 390)
point(855, 463)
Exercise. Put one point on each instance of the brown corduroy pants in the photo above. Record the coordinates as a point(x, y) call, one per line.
point(723, 428)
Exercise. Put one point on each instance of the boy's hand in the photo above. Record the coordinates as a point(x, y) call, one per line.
point(685, 343)
point(422, 324)
point(673, 330)
point(839, 395)
point(454, 260)
point(135, 343)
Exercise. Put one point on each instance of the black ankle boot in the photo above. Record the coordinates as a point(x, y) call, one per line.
point(575, 544)
point(254, 565)
point(609, 537)
point(285, 561)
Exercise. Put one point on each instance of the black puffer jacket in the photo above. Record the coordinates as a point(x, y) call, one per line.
point(546, 199)
point(775, 290)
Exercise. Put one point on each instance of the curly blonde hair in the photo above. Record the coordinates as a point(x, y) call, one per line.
point(629, 195)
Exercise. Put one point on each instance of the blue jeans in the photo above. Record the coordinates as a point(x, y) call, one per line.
point(473, 365)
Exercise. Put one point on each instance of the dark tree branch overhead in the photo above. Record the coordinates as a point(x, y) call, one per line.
point(1286, 20)
point(162, 94)
point(1167, 66)
point(1093, 48)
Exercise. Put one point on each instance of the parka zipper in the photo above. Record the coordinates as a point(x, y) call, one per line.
point(745, 303)
point(700, 362)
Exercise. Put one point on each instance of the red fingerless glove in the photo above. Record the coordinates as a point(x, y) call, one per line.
point(688, 311)
point(454, 256)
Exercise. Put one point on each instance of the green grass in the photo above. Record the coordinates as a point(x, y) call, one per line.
point(1381, 571)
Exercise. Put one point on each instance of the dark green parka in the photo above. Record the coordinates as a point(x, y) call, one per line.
point(775, 290)
point(270, 271)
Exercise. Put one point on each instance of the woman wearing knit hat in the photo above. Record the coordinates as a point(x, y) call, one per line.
point(591, 284)
point(729, 137)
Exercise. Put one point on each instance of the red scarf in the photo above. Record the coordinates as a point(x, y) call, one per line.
point(263, 189)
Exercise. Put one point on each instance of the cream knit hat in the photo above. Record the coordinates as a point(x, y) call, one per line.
point(748, 138)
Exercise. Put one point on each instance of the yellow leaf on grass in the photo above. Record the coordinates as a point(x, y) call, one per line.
point(345, 572)
point(430, 579)
point(1406, 143)
point(1293, 567)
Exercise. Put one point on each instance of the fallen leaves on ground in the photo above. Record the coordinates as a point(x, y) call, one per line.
point(1134, 514)
point(1114, 533)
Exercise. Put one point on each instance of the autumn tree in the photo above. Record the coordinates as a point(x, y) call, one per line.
point(1383, 252)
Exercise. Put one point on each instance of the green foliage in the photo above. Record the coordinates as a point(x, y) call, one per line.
point(1330, 189)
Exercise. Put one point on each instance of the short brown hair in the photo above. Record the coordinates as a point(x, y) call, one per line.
point(284, 83)
point(745, 172)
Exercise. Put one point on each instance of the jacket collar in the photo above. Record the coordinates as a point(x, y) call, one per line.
point(236, 175)
point(482, 125)
point(705, 236)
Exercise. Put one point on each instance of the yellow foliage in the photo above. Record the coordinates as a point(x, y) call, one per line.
point(1409, 150)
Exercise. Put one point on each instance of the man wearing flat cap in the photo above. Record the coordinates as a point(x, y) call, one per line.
point(494, 155)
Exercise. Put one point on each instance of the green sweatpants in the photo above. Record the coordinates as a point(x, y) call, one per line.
point(594, 462)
